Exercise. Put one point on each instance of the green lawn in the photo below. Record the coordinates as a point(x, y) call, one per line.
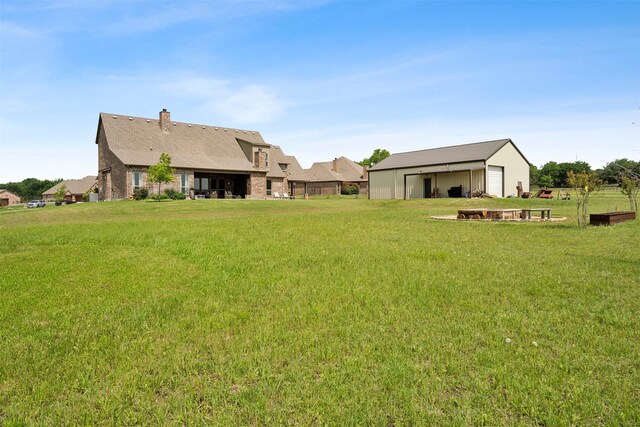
point(339, 311)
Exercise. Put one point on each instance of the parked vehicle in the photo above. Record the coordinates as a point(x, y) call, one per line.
point(36, 204)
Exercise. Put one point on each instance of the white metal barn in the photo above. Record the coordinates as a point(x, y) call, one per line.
point(494, 167)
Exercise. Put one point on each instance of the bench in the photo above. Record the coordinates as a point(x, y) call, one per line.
point(545, 213)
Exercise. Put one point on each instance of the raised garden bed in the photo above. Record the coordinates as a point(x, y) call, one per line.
point(611, 218)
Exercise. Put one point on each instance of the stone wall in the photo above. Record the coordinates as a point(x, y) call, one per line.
point(112, 173)
point(257, 185)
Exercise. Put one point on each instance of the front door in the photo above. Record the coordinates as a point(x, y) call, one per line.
point(427, 188)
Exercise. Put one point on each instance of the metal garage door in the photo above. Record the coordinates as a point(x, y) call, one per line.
point(494, 183)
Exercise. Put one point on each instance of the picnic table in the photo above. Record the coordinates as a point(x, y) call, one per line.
point(545, 213)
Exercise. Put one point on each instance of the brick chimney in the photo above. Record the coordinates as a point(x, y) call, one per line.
point(165, 118)
point(260, 159)
point(335, 166)
point(365, 172)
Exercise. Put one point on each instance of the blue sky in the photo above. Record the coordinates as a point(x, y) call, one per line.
point(322, 79)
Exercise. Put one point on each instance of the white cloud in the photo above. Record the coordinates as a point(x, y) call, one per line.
point(251, 103)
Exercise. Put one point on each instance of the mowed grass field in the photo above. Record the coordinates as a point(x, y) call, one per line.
point(335, 311)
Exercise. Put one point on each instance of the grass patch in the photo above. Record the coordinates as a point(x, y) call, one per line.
point(326, 311)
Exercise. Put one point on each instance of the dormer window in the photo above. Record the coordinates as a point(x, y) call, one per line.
point(283, 166)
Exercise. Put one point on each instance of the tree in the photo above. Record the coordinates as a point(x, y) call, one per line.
point(630, 188)
point(565, 167)
point(378, 155)
point(615, 170)
point(162, 172)
point(534, 174)
point(553, 170)
point(60, 193)
point(545, 181)
point(30, 188)
point(585, 185)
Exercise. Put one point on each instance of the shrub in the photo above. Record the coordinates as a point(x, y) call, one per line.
point(140, 193)
point(174, 194)
point(158, 197)
point(349, 189)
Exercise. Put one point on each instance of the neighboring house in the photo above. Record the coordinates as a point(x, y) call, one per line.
point(211, 161)
point(75, 189)
point(329, 177)
point(494, 167)
point(7, 198)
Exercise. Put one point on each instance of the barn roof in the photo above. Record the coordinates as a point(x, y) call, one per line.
point(478, 151)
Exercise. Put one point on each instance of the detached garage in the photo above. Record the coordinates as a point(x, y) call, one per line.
point(494, 167)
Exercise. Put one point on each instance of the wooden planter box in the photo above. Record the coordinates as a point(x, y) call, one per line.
point(611, 218)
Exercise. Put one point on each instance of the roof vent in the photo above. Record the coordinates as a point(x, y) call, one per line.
point(174, 124)
point(130, 119)
point(189, 125)
point(148, 121)
point(216, 128)
point(253, 133)
point(202, 127)
point(115, 117)
point(224, 130)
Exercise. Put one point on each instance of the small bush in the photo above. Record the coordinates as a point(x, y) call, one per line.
point(349, 189)
point(140, 193)
point(158, 197)
point(174, 194)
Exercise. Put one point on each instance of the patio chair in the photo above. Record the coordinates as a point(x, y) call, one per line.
point(276, 195)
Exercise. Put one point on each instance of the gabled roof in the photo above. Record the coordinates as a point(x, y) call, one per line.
point(293, 172)
point(321, 172)
point(479, 151)
point(340, 169)
point(5, 192)
point(140, 141)
point(75, 186)
point(349, 170)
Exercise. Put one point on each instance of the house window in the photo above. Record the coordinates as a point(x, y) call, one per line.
point(184, 183)
point(137, 180)
point(196, 184)
point(268, 187)
point(283, 166)
point(266, 159)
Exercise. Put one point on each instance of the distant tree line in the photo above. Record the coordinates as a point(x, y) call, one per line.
point(556, 175)
point(30, 188)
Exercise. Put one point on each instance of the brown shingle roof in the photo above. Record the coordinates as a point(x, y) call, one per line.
point(321, 171)
point(294, 171)
point(347, 171)
point(444, 155)
point(139, 141)
point(75, 186)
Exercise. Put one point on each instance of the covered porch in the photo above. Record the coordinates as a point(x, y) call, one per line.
point(219, 185)
point(444, 183)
